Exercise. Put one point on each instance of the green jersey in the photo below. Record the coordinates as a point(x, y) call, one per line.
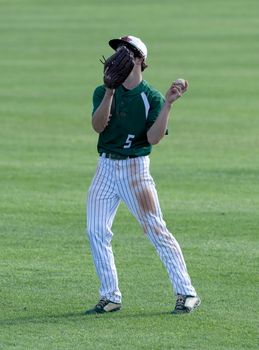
point(133, 112)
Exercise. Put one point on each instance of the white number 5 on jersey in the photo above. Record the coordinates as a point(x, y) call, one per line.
point(129, 141)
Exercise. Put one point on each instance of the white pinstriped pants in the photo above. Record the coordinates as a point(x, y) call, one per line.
point(129, 180)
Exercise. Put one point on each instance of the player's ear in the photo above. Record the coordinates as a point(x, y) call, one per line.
point(138, 60)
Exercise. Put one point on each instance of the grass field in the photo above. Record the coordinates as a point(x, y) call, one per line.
point(206, 170)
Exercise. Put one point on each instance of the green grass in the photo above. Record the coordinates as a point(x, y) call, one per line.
point(206, 172)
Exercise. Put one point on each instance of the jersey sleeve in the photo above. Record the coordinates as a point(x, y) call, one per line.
point(156, 105)
point(98, 95)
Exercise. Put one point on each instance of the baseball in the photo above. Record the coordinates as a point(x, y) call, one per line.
point(180, 82)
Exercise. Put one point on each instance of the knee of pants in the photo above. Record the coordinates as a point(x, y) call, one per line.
point(154, 226)
point(98, 232)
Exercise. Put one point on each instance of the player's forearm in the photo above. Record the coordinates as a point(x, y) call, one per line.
point(102, 115)
point(158, 129)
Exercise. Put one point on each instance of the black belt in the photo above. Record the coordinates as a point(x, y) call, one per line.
point(115, 156)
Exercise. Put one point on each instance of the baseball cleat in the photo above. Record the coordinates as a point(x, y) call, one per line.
point(103, 306)
point(186, 304)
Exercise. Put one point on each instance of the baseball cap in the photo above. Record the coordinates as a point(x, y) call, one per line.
point(132, 42)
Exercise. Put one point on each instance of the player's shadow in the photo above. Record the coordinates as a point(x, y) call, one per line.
point(79, 316)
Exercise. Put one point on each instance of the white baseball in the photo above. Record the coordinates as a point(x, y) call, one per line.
point(180, 81)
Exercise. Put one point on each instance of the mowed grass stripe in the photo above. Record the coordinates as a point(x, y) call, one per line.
point(206, 172)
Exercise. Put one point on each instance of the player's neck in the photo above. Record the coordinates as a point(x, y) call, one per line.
point(133, 80)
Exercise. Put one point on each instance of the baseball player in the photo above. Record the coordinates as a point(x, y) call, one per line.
point(129, 120)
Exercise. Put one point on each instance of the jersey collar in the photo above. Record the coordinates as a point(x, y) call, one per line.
point(134, 91)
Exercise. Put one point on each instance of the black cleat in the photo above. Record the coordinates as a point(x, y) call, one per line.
point(186, 304)
point(104, 306)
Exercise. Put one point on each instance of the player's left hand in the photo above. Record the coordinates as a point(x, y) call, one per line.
point(176, 91)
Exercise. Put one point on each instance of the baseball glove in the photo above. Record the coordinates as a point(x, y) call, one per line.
point(117, 67)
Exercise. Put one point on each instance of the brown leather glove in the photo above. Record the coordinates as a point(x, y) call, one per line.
point(118, 67)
